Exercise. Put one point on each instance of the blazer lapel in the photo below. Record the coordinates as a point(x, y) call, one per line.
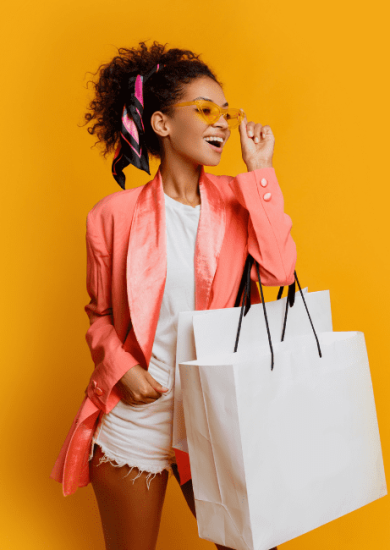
point(211, 231)
point(146, 268)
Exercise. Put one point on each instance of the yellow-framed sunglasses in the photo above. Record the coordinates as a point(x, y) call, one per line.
point(210, 112)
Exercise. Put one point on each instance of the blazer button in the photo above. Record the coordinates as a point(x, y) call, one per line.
point(98, 391)
point(267, 197)
point(264, 182)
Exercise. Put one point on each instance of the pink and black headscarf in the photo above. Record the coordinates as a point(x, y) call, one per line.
point(132, 149)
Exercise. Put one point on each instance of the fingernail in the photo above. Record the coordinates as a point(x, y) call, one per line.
point(256, 139)
point(250, 133)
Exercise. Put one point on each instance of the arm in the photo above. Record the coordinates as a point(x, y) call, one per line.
point(111, 360)
point(258, 191)
point(269, 238)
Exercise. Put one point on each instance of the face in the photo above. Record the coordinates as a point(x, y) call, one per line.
point(183, 134)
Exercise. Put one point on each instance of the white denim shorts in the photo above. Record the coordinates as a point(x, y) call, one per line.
point(140, 436)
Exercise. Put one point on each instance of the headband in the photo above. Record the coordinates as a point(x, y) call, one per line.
point(132, 147)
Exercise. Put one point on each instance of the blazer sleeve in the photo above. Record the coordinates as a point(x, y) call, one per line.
point(110, 359)
point(269, 238)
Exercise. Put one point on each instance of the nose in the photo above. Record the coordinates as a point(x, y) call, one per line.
point(221, 123)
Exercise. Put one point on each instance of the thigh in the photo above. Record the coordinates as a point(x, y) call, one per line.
point(130, 512)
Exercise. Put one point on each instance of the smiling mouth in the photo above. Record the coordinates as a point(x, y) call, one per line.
point(217, 145)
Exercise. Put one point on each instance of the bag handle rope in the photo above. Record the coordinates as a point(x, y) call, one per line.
point(245, 289)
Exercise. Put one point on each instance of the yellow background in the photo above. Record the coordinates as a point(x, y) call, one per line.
point(317, 73)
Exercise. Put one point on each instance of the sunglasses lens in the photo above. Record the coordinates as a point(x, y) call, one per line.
point(209, 110)
point(233, 117)
point(210, 113)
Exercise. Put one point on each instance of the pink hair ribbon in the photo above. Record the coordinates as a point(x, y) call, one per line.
point(132, 149)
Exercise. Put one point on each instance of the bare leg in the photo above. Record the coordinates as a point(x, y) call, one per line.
point(188, 493)
point(130, 512)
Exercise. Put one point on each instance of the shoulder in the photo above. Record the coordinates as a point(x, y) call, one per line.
point(222, 183)
point(219, 180)
point(114, 205)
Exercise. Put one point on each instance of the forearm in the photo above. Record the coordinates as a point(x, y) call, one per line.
point(269, 237)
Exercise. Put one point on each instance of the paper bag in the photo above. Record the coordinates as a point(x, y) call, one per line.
point(277, 453)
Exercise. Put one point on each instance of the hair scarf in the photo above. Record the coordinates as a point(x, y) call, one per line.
point(132, 148)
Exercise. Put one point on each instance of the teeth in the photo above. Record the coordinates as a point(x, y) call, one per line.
point(213, 138)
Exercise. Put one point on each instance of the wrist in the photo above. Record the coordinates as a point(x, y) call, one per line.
point(257, 164)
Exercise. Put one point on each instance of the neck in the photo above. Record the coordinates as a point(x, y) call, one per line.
point(181, 179)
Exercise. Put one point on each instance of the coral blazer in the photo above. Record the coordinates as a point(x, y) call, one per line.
point(126, 273)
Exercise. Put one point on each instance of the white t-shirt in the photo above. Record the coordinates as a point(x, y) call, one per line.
point(128, 434)
point(179, 292)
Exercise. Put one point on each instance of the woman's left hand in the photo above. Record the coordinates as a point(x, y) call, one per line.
point(256, 153)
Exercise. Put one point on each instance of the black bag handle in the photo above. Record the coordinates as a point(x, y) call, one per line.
point(245, 288)
point(291, 288)
point(290, 297)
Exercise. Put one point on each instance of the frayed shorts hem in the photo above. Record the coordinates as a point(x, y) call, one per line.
point(119, 462)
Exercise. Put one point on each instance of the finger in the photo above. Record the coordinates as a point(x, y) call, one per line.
point(129, 400)
point(250, 129)
point(150, 399)
point(257, 133)
point(156, 385)
point(142, 401)
point(137, 403)
point(134, 403)
point(243, 129)
point(267, 131)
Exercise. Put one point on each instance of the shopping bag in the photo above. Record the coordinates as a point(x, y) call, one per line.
point(220, 326)
point(282, 436)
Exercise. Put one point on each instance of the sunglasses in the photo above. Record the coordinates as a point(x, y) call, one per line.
point(210, 112)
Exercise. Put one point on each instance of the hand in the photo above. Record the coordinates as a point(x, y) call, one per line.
point(256, 154)
point(137, 387)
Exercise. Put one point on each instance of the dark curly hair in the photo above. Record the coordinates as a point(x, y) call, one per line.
point(161, 90)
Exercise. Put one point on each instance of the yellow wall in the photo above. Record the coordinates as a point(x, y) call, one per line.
point(317, 73)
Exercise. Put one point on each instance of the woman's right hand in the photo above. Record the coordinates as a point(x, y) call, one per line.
point(137, 387)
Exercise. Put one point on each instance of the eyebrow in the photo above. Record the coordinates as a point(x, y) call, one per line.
point(208, 99)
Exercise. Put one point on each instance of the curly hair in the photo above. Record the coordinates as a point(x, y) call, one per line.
point(161, 91)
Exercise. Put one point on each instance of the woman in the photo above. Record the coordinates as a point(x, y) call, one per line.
point(177, 243)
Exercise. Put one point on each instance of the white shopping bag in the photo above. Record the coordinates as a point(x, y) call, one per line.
point(220, 326)
point(278, 448)
point(277, 453)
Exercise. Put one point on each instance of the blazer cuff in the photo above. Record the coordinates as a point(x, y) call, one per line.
point(258, 187)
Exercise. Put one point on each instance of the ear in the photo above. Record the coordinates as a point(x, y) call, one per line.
point(160, 123)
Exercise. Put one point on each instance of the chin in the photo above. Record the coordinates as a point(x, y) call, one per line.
point(211, 163)
point(211, 160)
point(203, 158)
